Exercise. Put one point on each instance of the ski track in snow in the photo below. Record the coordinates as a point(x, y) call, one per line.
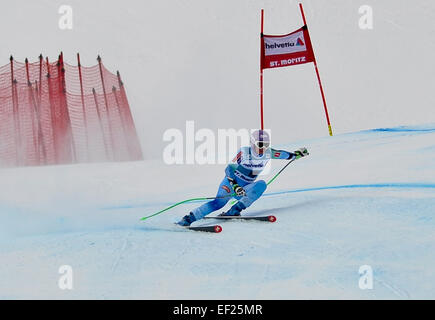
point(120, 252)
point(361, 198)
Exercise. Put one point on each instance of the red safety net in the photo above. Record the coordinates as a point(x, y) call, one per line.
point(56, 113)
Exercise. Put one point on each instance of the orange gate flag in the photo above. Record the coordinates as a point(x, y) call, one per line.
point(286, 50)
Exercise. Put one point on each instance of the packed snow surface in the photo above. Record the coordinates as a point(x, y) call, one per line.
point(363, 198)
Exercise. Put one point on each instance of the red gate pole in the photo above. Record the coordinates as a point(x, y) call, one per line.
point(38, 141)
point(261, 69)
point(60, 116)
point(318, 76)
point(68, 117)
point(40, 70)
point(54, 122)
point(35, 138)
point(85, 121)
point(17, 128)
point(40, 77)
point(109, 118)
point(132, 132)
point(26, 61)
point(122, 118)
point(38, 107)
point(106, 149)
point(69, 154)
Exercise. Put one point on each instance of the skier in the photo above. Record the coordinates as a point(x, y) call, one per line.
point(240, 176)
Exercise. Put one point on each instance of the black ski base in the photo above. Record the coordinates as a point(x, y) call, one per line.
point(255, 218)
point(212, 229)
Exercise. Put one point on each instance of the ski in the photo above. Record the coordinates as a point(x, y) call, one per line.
point(255, 218)
point(211, 229)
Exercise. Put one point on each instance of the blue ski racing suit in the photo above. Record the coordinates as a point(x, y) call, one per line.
point(242, 172)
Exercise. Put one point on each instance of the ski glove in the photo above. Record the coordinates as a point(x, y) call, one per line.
point(301, 152)
point(237, 189)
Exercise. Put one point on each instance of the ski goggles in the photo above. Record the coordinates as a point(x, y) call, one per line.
point(262, 144)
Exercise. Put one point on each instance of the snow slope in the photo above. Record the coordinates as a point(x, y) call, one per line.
point(363, 198)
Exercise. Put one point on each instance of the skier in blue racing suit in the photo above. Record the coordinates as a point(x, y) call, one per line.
point(240, 177)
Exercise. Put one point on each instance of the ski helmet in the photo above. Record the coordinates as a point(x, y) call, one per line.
point(260, 141)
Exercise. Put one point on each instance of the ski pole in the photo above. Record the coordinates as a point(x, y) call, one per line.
point(211, 198)
point(186, 201)
point(279, 172)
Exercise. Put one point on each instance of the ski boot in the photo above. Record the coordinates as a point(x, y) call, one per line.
point(234, 210)
point(187, 220)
